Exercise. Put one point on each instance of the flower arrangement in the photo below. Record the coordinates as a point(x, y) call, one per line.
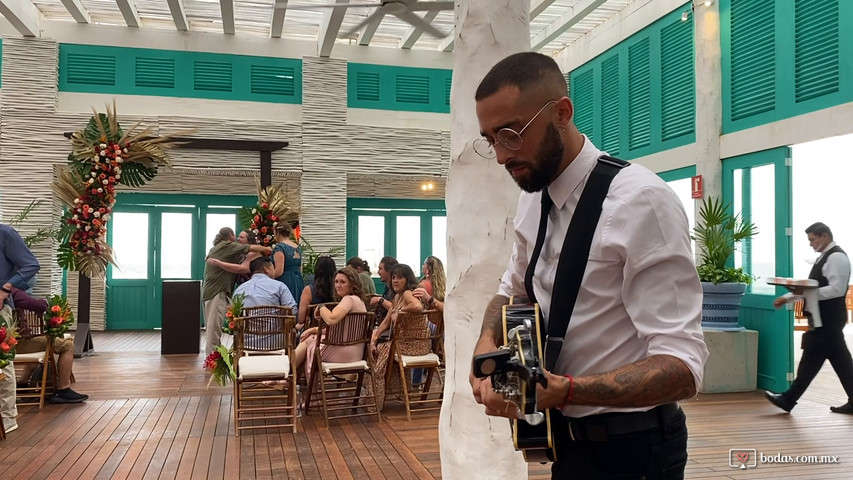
point(102, 157)
point(58, 317)
point(219, 363)
point(7, 343)
point(273, 206)
point(234, 311)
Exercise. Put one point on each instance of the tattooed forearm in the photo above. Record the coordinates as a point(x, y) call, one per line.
point(493, 319)
point(651, 381)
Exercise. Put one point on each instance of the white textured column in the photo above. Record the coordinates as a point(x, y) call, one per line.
point(709, 98)
point(481, 200)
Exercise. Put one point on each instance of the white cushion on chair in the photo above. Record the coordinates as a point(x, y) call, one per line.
point(35, 356)
point(329, 367)
point(419, 360)
point(262, 366)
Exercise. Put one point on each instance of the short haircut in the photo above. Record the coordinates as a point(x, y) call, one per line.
point(524, 71)
point(257, 265)
point(819, 229)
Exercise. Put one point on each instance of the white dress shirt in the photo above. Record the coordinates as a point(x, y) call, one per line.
point(836, 269)
point(640, 294)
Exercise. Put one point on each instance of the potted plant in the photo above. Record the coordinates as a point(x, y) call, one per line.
point(718, 234)
point(310, 256)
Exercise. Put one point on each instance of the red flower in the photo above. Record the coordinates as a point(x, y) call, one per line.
point(4, 347)
point(11, 341)
point(264, 205)
point(56, 309)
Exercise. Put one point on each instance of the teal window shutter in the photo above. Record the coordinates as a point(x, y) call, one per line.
point(568, 77)
point(212, 76)
point(610, 105)
point(816, 62)
point(367, 86)
point(90, 69)
point(413, 89)
point(271, 80)
point(678, 106)
point(154, 72)
point(639, 95)
point(447, 83)
point(582, 98)
point(753, 58)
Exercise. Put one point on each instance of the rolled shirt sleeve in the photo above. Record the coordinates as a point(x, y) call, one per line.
point(661, 289)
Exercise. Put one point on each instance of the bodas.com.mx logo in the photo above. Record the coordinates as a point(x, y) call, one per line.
point(742, 458)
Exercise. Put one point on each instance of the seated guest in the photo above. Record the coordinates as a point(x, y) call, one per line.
point(363, 270)
point(383, 303)
point(262, 289)
point(321, 290)
point(350, 296)
point(64, 347)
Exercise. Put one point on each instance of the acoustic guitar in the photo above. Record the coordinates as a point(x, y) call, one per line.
point(515, 370)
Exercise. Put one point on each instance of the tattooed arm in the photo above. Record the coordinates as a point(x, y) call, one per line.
point(652, 381)
point(491, 335)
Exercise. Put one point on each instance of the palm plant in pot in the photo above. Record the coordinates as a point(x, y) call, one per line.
point(718, 234)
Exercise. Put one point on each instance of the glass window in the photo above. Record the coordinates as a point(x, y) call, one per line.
point(762, 250)
point(409, 242)
point(176, 237)
point(371, 241)
point(682, 189)
point(439, 239)
point(215, 221)
point(130, 245)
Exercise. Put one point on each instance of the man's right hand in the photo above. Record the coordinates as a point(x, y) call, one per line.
point(484, 345)
point(779, 301)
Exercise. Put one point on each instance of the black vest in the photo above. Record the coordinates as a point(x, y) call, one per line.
point(833, 312)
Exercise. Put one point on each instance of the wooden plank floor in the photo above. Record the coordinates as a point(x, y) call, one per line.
point(154, 417)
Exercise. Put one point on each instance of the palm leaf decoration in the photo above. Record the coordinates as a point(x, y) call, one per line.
point(275, 205)
point(103, 156)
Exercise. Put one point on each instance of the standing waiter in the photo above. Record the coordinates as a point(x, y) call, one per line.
point(825, 342)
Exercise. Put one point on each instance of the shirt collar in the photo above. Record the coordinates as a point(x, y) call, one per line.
point(828, 247)
point(564, 185)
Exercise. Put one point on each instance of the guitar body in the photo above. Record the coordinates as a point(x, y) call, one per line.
point(522, 333)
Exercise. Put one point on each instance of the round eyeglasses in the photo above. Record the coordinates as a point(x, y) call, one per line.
point(507, 137)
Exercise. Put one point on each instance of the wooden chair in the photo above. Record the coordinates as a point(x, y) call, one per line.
point(2, 427)
point(262, 349)
point(340, 383)
point(801, 322)
point(849, 301)
point(30, 326)
point(416, 343)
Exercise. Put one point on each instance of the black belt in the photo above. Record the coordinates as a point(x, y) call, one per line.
point(597, 428)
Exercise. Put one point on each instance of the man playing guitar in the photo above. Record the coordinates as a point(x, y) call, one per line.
point(634, 345)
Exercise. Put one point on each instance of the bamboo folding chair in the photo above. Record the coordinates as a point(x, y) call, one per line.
point(262, 349)
point(30, 326)
point(341, 384)
point(417, 342)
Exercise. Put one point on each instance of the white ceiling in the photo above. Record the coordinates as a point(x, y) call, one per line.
point(554, 23)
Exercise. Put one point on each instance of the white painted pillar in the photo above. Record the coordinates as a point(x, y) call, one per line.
point(709, 98)
point(481, 200)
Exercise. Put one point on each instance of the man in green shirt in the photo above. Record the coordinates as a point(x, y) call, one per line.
point(219, 283)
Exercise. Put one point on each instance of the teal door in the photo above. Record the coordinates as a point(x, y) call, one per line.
point(159, 237)
point(151, 244)
point(759, 186)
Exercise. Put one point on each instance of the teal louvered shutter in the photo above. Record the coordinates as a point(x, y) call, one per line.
point(568, 78)
point(447, 84)
point(639, 95)
point(678, 97)
point(367, 86)
point(212, 76)
point(816, 62)
point(88, 69)
point(610, 105)
point(582, 98)
point(412, 89)
point(271, 80)
point(154, 72)
point(753, 57)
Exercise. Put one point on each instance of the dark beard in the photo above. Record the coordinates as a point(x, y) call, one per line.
point(548, 159)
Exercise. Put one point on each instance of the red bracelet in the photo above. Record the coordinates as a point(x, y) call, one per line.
point(571, 393)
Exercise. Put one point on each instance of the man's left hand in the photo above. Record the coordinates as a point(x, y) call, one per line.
point(555, 395)
point(495, 404)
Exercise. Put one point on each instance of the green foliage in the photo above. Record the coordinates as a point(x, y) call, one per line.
point(65, 257)
point(41, 234)
point(310, 255)
point(717, 234)
point(136, 174)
